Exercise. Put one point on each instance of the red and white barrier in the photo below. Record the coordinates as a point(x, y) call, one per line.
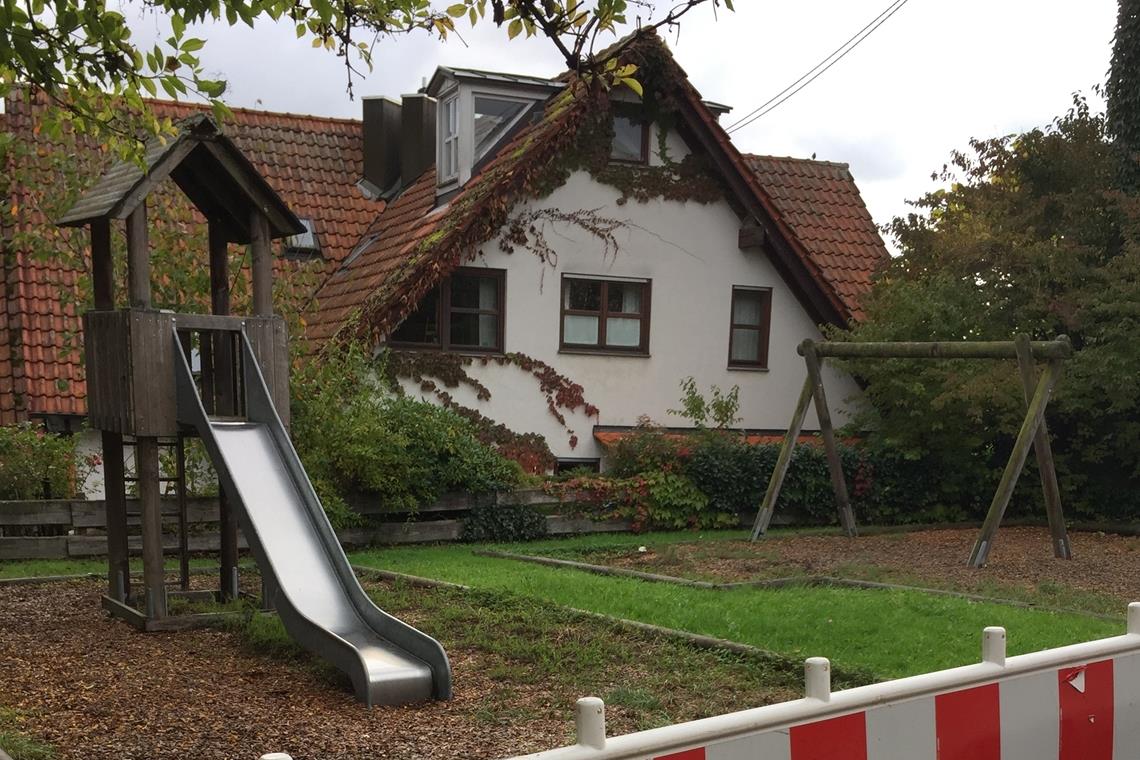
point(1080, 702)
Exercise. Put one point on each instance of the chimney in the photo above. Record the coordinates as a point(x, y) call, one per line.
point(381, 144)
point(417, 136)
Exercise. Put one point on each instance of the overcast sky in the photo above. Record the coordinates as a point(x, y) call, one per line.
point(934, 75)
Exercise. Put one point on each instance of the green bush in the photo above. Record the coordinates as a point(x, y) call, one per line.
point(503, 523)
point(356, 438)
point(35, 464)
point(647, 449)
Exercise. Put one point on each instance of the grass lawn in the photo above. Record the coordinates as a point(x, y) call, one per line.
point(889, 633)
point(18, 744)
point(35, 568)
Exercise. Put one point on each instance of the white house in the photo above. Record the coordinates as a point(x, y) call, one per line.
point(536, 229)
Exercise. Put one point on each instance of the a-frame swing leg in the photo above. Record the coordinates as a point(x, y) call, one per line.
point(768, 506)
point(1062, 549)
point(1017, 457)
point(834, 463)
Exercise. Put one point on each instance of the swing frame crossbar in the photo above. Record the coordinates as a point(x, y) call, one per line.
point(1034, 433)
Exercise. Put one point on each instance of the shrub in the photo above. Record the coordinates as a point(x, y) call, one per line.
point(732, 474)
point(646, 449)
point(35, 464)
point(355, 437)
point(503, 523)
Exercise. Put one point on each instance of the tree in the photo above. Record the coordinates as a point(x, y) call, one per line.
point(1031, 236)
point(82, 55)
point(1123, 92)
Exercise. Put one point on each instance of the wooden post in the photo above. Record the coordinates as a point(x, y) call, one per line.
point(262, 256)
point(183, 522)
point(138, 259)
point(115, 490)
point(102, 265)
point(146, 463)
point(834, 463)
point(768, 506)
point(1017, 457)
point(223, 386)
point(1062, 549)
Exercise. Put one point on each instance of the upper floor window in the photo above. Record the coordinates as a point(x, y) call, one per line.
point(605, 315)
point(304, 245)
point(449, 139)
point(751, 323)
point(631, 140)
point(462, 313)
point(493, 118)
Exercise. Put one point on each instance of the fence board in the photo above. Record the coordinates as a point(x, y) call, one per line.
point(35, 513)
point(36, 548)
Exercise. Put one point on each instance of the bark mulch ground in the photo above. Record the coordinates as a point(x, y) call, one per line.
point(96, 689)
point(1104, 565)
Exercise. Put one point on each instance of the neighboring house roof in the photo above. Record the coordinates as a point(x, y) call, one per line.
point(372, 293)
point(312, 162)
point(821, 203)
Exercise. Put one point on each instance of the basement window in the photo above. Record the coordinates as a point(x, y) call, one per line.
point(305, 245)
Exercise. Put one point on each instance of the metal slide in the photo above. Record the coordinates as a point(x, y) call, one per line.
point(315, 591)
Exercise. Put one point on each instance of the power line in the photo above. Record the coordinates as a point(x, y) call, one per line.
point(816, 71)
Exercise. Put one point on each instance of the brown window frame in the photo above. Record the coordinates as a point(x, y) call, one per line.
point(764, 328)
point(643, 159)
point(642, 349)
point(444, 310)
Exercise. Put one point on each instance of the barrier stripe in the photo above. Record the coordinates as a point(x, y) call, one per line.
point(1085, 705)
point(905, 730)
point(689, 754)
point(1126, 698)
point(967, 724)
point(774, 745)
point(1027, 730)
point(842, 738)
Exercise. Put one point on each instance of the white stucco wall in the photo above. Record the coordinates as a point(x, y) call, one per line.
point(690, 252)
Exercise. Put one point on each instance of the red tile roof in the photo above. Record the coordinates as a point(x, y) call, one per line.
point(312, 162)
point(822, 205)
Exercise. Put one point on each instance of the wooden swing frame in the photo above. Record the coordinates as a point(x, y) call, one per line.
point(1033, 433)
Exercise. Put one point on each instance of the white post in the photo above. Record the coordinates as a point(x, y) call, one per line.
point(817, 678)
point(590, 722)
point(993, 645)
point(1134, 617)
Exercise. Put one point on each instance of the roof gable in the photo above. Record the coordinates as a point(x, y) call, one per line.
point(369, 296)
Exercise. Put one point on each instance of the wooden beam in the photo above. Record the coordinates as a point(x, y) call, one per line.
point(1060, 348)
point(1017, 457)
point(834, 463)
point(102, 265)
point(115, 487)
point(138, 259)
point(751, 236)
point(262, 256)
point(146, 464)
point(1043, 449)
point(228, 548)
point(219, 270)
point(776, 481)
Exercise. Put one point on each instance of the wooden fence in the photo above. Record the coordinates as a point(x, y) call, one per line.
point(61, 529)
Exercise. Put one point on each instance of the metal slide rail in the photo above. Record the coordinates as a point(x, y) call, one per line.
point(354, 654)
point(1079, 701)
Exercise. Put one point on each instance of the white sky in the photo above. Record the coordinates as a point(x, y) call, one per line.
point(936, 74)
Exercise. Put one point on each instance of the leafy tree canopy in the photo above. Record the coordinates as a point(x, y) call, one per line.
point(79, 52)
point(1030, 235)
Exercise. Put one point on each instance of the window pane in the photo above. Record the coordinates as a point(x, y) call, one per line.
point(421, 326)
point(581, 331)
point(475, 330)
point(745, 345)
point(624, 298)
point(583, 295)
point(474, 292)
point(627, 139)
point(623, 332)
point(492, 117)
point(747, 307)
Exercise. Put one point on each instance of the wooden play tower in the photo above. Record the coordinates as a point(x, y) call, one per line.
point(130, 347)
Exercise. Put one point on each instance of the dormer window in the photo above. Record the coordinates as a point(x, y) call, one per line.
point(304, 245)
point(493, 117)
point(449, 139)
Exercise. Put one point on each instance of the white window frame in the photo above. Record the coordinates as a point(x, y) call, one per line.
point(450, 137)
point(463, 96)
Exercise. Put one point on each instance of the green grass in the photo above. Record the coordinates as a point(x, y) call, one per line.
point(38, 568)
point(17, 743)
point(890, 633)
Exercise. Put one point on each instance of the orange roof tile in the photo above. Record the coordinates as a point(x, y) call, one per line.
point(821, 203)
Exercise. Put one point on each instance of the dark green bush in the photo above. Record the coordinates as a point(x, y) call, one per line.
point(35, 464)
point(354, 437)
point(508, 523)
